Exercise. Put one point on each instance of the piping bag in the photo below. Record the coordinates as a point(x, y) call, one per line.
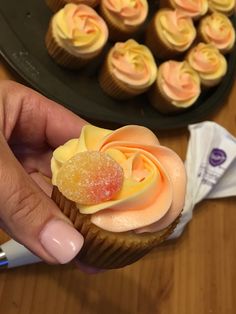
point(211, 172)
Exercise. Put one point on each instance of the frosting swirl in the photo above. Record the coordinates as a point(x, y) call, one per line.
point(207, 61)
point(128, 12)
point(218, 30)
point(133, 64)
point(179, 83)
point(175, 29)
point(222, 6)
point(191, 8)
point(153, 190)
point(79, 29)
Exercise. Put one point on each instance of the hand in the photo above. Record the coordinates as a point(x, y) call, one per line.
point(31, 127)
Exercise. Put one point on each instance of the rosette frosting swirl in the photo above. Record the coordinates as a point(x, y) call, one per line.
point(207, 60)
point(129, 12)
point(179, 83)
point(218, 30)
point(191, 7)
point(133, 64)
point(223, 6)
point(153, 190)
point(175, 29)
point(79, 29)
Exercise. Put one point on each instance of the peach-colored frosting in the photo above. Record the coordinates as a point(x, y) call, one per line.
point(91, 3)
point(133, 64)
point(79, 29)
point(128, 12)
point(191, 7)
point(208, 61)
point(223, 6)
point(179, 82)
point(175, 29)
point(218, 30)
point(153, 191)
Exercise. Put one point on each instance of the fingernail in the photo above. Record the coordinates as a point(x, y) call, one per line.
point(61, 240)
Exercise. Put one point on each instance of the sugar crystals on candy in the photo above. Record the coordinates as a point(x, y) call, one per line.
point(90, 177)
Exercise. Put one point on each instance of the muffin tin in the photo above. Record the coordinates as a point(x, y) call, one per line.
point(22, 45)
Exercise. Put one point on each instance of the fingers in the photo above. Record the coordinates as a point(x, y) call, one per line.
point(34, 119)
point(32, 218)
point(43, 182)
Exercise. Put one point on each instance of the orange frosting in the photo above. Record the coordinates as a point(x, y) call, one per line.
point(153, 191)
point(218, 30)
point(133, 64)
point(179, 82)
point(191, 7)
point(223, 6)
point(79, 29)
point(208, 61)
point(129, 12)
point(175, 29)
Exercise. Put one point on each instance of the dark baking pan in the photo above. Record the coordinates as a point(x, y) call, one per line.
point(22, 30)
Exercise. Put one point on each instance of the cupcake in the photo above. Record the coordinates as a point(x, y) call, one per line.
point(218, 30)
point(124, 18)
point(76, 35)
point(226, 7)
point(210, 64)
point(129, 70)
point(177, 87)
point(56, 5)
point(121, 189)
point(194, 9)
point(169, 34)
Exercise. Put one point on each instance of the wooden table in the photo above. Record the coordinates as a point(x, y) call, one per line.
point(194, 275)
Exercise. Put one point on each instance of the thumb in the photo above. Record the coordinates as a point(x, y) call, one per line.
point(32, 218)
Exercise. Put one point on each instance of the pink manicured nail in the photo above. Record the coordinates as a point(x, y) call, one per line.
point(61, 240)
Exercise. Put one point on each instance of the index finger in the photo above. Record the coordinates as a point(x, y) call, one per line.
point(35, 119)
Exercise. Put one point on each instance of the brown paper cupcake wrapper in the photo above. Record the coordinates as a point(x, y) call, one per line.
point(117, 31)
point(114, 87)
point(107, 250)
point(160, 102)
point(159, 49)
point(56, 5)
point(163, 4)
point(61, 56)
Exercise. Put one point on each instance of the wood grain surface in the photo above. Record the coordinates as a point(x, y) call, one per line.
point(194, 275)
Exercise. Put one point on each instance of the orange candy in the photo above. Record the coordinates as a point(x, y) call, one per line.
point(90, 178)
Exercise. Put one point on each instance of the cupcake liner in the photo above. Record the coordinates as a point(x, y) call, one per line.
point(56, 5)
point(114, 87)
point(60, 55)
point(107, 250)
point(117, 31)
point(159, 49)
point(166, 4)
point(206, 84)
point(160, 102)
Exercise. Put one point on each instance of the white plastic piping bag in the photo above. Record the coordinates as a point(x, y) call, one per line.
point(211, 167)
point(13, 254)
